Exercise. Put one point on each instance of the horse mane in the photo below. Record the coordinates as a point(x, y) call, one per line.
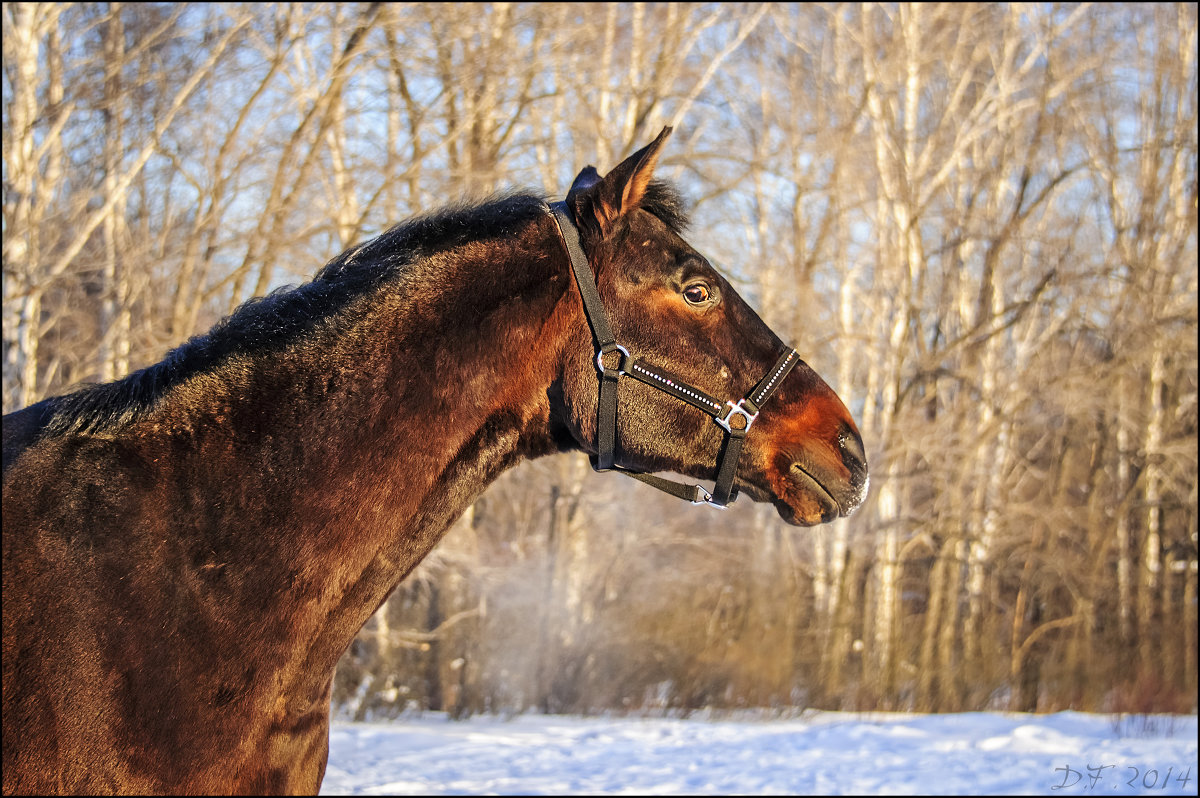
point(271, 323)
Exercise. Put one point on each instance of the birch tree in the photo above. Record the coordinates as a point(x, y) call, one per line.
point(977, 222)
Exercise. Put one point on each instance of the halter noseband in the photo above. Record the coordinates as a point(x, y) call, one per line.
point(735, 418)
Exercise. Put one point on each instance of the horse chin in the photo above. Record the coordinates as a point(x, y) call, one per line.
point(805, 502)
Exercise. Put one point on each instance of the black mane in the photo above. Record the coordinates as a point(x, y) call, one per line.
point(269, 324)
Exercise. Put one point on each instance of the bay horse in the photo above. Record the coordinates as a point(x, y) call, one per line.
point(189, 550)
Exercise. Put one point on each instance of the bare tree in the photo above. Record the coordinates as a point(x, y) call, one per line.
point(979, 221)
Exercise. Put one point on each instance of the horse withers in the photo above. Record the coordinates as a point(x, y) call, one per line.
point(189, 550)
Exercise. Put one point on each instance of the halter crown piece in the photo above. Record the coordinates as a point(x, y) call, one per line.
point(614, 361)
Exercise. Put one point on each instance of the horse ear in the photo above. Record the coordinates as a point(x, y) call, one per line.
point(621, 190)
point(583, 181)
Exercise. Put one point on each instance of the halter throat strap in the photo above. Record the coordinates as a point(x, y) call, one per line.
point(613, 361)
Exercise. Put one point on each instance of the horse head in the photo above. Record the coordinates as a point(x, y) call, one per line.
point(694, 347)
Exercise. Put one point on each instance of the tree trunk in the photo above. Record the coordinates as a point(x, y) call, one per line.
point(114, 290)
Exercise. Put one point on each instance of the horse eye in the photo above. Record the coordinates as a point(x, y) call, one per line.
point(697, 293)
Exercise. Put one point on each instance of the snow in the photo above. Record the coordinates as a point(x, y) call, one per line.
point(821, 752)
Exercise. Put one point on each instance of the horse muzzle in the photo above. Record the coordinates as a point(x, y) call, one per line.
point(839, 487)
point(813, 461)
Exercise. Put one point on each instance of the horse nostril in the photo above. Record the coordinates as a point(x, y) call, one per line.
point(853, 454)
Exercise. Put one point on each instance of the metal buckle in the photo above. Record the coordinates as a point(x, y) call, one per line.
point(739, 410)
point(708, 500)
point(600, 353)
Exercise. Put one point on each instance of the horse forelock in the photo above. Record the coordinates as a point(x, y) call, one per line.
point(664, 201)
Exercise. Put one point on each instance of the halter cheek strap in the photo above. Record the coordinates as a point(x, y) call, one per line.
point(613, 361)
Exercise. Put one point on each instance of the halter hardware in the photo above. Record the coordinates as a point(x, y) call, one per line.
point(735, 418)
point(707, 499)
point(740, 410)
point(621, 364)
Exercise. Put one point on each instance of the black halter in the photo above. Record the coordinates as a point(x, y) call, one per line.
point(735, 418)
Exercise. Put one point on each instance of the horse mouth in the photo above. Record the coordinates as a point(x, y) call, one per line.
point(804, 502)
point(802, 476)
point(827, 506)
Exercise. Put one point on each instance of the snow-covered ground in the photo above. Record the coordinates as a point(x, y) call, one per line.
point(1065, 754)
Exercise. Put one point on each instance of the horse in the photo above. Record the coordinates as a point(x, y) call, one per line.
point(189, 550)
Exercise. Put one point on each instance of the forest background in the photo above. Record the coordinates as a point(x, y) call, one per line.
point(977, 221)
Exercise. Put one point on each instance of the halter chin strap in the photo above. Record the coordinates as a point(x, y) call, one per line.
point(614, 361)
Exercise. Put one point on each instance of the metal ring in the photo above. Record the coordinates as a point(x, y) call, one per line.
point(741, 411)
point(600, 353)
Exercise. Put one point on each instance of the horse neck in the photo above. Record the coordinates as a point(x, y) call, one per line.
point(377, 439)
